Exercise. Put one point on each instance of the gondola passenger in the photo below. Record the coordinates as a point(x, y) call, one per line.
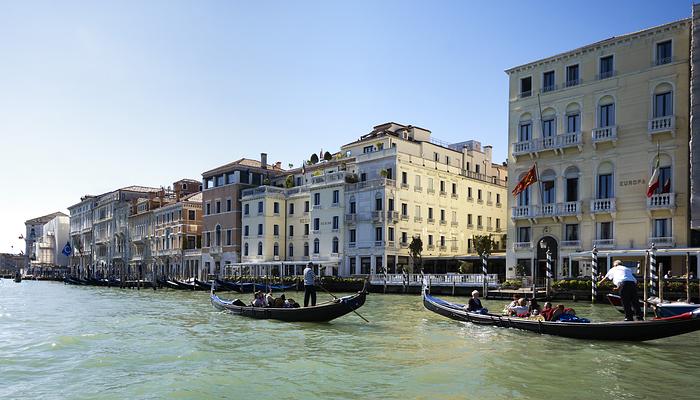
point(534, 307)
point(474, 304)
point(521, 310)
point(258, 300)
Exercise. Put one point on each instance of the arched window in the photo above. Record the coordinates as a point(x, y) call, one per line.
point(663, 100)
point(276, 249)
point(549, 125)
point(218, 235)
point(524, 196)
point(317, 246)
point(291, 250)
point(665, 174)
point(260, 248)
point(335, 245)
point(549, 188)
point(245, 249)
point(573, 118)
point(525, 128)
point(604, 181)
point(606, 112)
point(571, 175)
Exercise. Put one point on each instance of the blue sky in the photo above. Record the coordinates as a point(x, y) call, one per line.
point(98, 95)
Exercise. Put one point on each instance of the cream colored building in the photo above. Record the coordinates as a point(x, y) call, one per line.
point(177, 238)
point(593, 120)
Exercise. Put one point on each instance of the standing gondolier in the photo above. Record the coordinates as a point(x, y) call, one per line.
point(623, 278)
point(309, 285)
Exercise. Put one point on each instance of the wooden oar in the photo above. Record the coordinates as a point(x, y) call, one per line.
point(336, 297)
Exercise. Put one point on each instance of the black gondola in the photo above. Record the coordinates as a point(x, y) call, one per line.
point(222, 285)
point(627, 331)
point(201, 285)
point(18, 277)
point(322, 312)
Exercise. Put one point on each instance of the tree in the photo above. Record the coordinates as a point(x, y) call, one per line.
point(289, 181)
point(313, 159)
point(484, 245)
point(328, 156)
point(415, 249)
point(384, 173)
point(465, 267)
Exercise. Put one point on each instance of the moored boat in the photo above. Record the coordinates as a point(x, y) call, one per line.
point(622, 330)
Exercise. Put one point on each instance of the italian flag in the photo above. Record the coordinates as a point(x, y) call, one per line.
point(654, 181)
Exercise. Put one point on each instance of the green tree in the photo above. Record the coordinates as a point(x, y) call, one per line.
point(313, 159)
point(484, 245)
point(328, 156)
point(289, 181)
point(415, 249)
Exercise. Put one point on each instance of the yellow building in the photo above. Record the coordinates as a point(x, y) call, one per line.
point(595, 121)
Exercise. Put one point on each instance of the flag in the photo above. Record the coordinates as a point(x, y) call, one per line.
point(667, 186)
point(654, 181)
point(67, 250)
point(528, 179)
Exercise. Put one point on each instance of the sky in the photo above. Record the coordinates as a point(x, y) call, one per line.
point(95, 96)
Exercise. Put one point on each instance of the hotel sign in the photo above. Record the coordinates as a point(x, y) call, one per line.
point(632, 182)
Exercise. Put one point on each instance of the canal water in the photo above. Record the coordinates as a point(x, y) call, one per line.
point(72, 342)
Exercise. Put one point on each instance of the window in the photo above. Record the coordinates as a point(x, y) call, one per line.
point(430, 212)
point(447, 160)
point(454, 188)
point(336, 196)
point(378, 204)
point(276, 230)
point(306, 249)
point(228, 205)
point(246, 231)
point(525, 131)
point(572, 189)
point(524, 197)
point(391, 204)
point(524, 234)
point(469, 219)
point(404, 178)
point(317, 246)
point(548, 81)
point(605, 186)
point(478, 220)
point(417, 180)
point(317, 199)
point(218, 235)
point(306, 206)
point(228, 237)
point(662, 228)
point(317, 224)
point(436, 157)
point(548, 127)
point(526, 86)
point(218, 206)
point(498, 198)
point(404, 209)
point(368, 149)
point(571, 232)
point(477, 168)
point(430, 240)
point(498, 223)
point(336, 222)
point(606, 67)
point(246, 209)
point(291, 230)
point(245, 250)
point(260, 229)
point(378, 234)
point(363, 177)
point(291, 208)
point(389, 173)
point(664, 180)
point(260, 248)
point(208, 239)
point(573, 123)
point(306, 229)
point(404, 237)
point(290, 252)
point(191, 215)
point(572, 75)
point(334, 248)
point(664, 52)
point(442, 241)
point(605, 230)
point(390, 234)
point(606, 115)
point(353, 235)
point(454, 216)
point(260, 207)
point(276, 207)
point(442, 186)
point(663, 104)
point(417, 212)
point(478, 194)
point(208, 208)
point(276, 249)
point(353, 207)
point(442, 215)
point(548, 191)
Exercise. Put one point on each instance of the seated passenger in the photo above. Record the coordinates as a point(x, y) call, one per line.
point(290, 303)
point(557, 312)
point(278, 302)
point(269, 299)
point(547, 311)
point(514, 303)
point(258, 300)
point(534, 307)
point(474, 304)
point(520, 310)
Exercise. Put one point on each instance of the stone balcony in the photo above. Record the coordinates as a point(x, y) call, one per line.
point(520, 246)
point(603, 206)
point(603, 135)
point(661, 201)
point(662, 241)
point(570, 244)
point(604, 243)
point(661, 125)
point(557, 143)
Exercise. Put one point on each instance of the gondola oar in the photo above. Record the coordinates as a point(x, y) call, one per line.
point(336, 297)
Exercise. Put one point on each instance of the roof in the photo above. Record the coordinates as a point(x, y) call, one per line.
point(44, 219)
point(604, 42)
point(140, 189)
point(243, 162)
point(194, 197)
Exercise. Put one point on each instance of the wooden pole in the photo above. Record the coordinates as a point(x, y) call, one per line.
point(687, 277)
point(646, 262)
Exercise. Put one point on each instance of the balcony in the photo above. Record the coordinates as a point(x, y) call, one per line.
point(392, 216)
point(524, 94)
point(605, 134)
point(404, 185)
point(604, 243)
point(403, 244)
point(519, 246)
point(430, 191)
point(454, 249)
point(570, 244)
point(351, 218)
point(524, 212)
point(600, 206)
point(661, 201)
point(443, 248)
point(404, 217)
point(443, 222)
point(443, 193)
point(569, 208)
point(455, 196)
point(526, 147)
point(498, 205)
point(454, 224)
point(549, 88)
point(662, 241)
point(417, 219)
point(479, 227)
point(573, 82)
point(417, 189)
point(431, 220)
point(470, 199)
point(606, 74)
point(662, 125)
point(662, 61)
point(431, 247)
point(557, 143)
point(378, 216)
point(548, 210)
point(215, 250)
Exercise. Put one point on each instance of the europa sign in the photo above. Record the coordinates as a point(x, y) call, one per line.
point(632, 182)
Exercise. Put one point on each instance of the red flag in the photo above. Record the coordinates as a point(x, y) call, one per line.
point(528, 179)
point(667, 186)
point(654, 181)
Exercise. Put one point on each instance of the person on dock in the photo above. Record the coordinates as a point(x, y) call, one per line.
point(623, 278)
point(474, 304)
point(309, 285)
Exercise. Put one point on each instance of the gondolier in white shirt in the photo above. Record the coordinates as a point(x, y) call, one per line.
point(624, 280)
point(309, 285)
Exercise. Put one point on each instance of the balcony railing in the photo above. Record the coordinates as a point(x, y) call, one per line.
point(572, 82)
point(443, 222)
point(523, 212)
point(570, 244)
point(549, 88)
point(555, 142)
point(526, 93)
point(351, 218)
point(443, 193)
point(431, 247)
point(661, 201)
point(548, 210)
point(662, 61)
point(392, 216)
point(606, 74)
point(443, 248)
point(417, 189)
point(417, 219)
point(662, 241)
point(569, 208)
point(404, 217)
point(455, 196)
point(603, 205)
point(522, 246)
point(662, 125)
point(378, 216)
point(455, 223)
point(604, 134)
point(431, 220)
point(430, 191)
point(604, 243)
point(404, 185)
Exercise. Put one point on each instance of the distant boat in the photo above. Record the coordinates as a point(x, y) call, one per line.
point(18, 277)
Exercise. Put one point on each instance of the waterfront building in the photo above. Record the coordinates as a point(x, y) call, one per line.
point(596, 121)
point(34, 229)
point(49, 247)
point(221, 202)
point(81, 234)
point(11, 263)
point(407, 184)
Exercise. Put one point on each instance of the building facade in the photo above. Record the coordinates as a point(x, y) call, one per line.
point(49, 247)
point(34, 229)
point(594, 122)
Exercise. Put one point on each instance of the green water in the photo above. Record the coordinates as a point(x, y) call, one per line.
point(71, 342)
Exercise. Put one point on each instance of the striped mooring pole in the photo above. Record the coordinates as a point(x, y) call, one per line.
point(653, 273)
point(594, 274)
point(484, 270)
point(549, 272)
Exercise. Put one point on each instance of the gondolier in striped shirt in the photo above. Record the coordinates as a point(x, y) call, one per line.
point(623, 278)
point(309, 285)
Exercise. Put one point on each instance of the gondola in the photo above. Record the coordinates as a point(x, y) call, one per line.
point(616, 301)
point(201, 285)
point(18, 278)
point(624, 331)
point(222, 285)
point(322, 312)
point(661, 309)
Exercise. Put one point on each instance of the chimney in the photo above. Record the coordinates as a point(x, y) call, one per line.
point(487, 152)
point(263, 160)
point(278, 165)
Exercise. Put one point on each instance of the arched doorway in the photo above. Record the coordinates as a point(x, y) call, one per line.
point(546, 242)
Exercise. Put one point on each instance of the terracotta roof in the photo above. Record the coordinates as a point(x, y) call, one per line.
point(245, 162)
point(194, 197)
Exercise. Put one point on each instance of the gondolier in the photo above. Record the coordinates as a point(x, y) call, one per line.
point(623, 278)
point(309, 285)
